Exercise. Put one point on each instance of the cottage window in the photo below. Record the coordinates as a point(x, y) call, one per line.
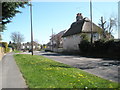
point(95, 36)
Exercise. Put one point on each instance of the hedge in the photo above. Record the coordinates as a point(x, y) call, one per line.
point(5, 45)
point(109, 48)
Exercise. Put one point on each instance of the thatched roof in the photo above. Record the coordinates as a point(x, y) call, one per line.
point(81, 26)
point(75, 28)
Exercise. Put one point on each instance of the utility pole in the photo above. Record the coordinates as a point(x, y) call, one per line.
point(31, 28)
point(91, 21)
point(52, 39)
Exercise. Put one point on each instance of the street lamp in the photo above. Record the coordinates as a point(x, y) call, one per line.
point(31, 28)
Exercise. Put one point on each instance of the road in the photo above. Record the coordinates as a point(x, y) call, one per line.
point(107, 69)
point(10, 74)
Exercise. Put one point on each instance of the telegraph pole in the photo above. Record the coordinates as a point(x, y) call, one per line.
point(31, 28)
point(52, 39)
point(91, 22)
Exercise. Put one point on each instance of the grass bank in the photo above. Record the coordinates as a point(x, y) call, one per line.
point(40, 72)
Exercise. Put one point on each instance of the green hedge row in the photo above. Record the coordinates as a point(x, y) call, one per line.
point(109, 48)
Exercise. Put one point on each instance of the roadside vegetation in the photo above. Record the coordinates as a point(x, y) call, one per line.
point(40, 72)
point(16, 51)
point(102, 48)
point(106, 49)
point(5, 46)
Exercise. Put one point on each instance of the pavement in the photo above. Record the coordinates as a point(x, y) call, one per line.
point(105, 68)
point(0, 75)
point(10, 75)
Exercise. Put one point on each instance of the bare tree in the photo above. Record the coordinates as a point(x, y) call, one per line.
point(17, 38)
point(57, 40)
point(112, 23)
point(102, 25)
point(108, 26)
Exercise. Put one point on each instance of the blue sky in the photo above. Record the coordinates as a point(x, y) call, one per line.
point(56, 15)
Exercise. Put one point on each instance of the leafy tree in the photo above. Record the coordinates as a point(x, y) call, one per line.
point(84, 37)
point(10, 9)
point(2, 27)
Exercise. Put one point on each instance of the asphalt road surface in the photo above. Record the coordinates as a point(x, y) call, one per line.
point(108, 69)
point(10, 75)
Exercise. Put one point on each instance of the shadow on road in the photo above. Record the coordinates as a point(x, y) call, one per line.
point(52, 54)
point(60, 54)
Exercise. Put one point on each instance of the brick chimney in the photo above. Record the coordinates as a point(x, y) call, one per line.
point(79, 17)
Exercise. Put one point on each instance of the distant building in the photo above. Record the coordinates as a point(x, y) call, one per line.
point(27, 46)
point(56, 41)
point(119, 19)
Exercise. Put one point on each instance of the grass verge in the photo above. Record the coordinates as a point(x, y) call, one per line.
point(40, 72)
point(16, 51)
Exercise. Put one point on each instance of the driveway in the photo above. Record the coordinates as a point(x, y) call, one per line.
point(107, 69)
point(10, 74)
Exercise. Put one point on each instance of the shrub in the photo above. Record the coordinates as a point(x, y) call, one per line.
point(7, 50)
point(84, 46)
point(113, 48)
point(84, 37)
point(5, 45)
point(99, 47)
point(12, 46)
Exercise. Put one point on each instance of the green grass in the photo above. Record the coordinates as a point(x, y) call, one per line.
point(40, 72)
point(16, 51)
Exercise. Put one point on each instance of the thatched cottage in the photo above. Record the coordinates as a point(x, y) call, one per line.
point(72, 37)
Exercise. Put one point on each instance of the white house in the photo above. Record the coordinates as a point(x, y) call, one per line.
point(72, 37)
point(27, 46)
